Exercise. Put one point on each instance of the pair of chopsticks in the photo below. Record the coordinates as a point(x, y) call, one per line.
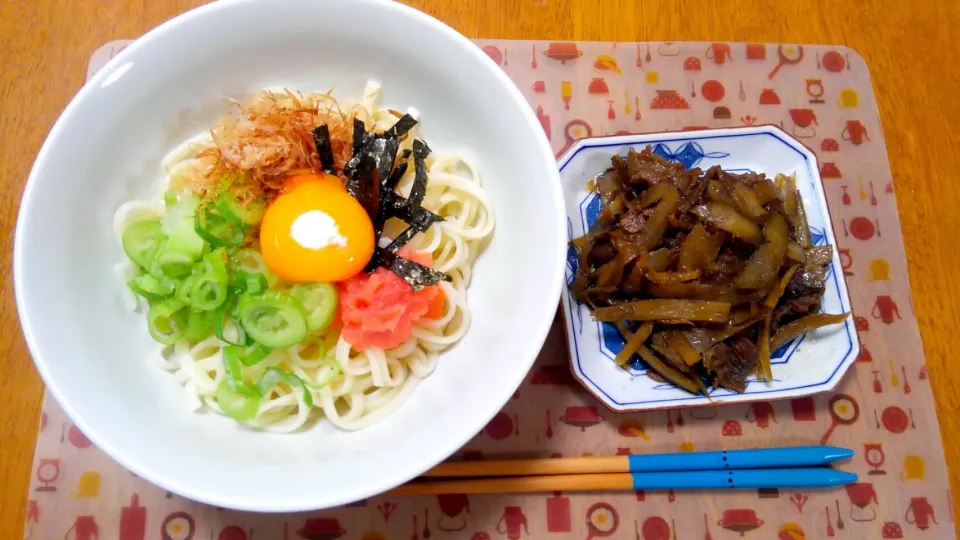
point(771, 468)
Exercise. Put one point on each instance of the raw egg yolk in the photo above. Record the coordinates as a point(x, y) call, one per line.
point(309, 178)
point(315, 231)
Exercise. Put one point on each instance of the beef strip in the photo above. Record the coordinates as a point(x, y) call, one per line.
point(602, 253)
point(645, 168)
point(801, 297)
point(633, 221)
point(731, 364)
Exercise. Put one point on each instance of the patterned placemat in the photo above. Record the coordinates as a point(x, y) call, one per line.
point(883, 409)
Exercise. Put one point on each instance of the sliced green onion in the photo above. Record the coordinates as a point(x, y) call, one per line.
point(277, 375)
point(227, 328)
point(217, 230)
point(251, 283)
point(151, 288)
point(248, 356)
point(206, 288)
point(170, 198)
point(230, 208)
point(234, 373)
point(141, 240)
point(173, 263)
point(251, 261)
point(273, 319)
point(326, 380)
point(199, 325)
point(166, 321)
point(248, 260)
point(320, 301)
point(178, 226)
point(240, 407)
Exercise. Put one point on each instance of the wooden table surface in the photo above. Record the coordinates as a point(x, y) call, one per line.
point(45, 45)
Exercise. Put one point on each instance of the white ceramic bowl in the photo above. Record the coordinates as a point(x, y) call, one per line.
point(106, 148)
point(808, 364)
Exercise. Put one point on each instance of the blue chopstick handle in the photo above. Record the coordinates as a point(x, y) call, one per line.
point(743, 479)
point(798, 456)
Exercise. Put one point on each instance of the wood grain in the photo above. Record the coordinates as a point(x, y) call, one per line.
point(45, 45)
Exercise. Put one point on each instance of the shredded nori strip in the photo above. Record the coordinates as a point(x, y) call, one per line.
point(396, 175)
point(415, 274)
point(371, 179)
point(402, 239)
point(359, 132)
point(419, 189)
point(321, 137)
point(364, 185)
point(384, 150)
point(394, 205)
point(403, 125)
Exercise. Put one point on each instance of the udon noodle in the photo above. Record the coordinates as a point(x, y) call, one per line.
point(353, 389)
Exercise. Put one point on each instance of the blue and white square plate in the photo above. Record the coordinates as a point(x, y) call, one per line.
point(809, 364)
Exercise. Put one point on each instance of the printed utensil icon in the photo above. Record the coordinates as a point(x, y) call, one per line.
point(833, 61)
point(894, 419)
point(756, 51)
point(386, 508)
point(861, 494)
point(607, 62)
point(574, 130)
point(799, 500)
point(453, 507)
point(494, 54)
point(563, 52)
point(844, 411)
point(500, 427)
point(598, 86)
point(581, 417)
point(789, 55)
point(602, 520)
point(232, 532)
point(77, 438)
point(741, 520)
point(558, 513)
point(133, 520)
point(713, 90)
point(178, 526)
point(48, 471)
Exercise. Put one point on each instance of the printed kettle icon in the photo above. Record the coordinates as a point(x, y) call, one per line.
point(513, 519)
point(920, 513)
point(886, 309)
point(84, 528)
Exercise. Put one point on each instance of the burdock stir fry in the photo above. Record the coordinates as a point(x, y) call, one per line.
point(704, 274)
